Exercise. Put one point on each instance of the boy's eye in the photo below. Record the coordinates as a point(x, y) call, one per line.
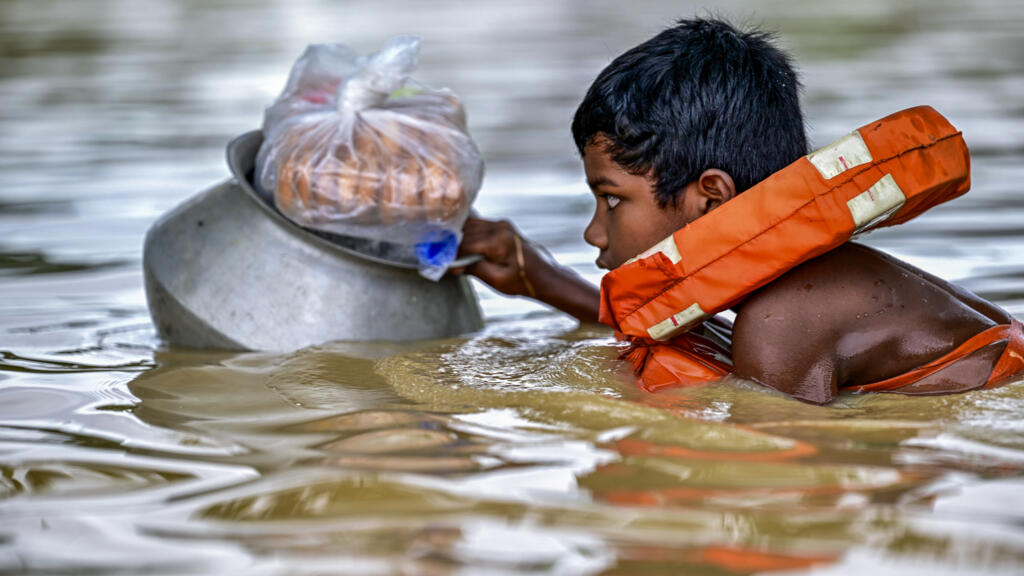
point(613, 201)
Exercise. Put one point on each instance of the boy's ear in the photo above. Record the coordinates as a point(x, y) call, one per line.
point(714, 187)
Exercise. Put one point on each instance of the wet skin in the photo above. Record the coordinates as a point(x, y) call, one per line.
point(855, 316)
point(850, 317)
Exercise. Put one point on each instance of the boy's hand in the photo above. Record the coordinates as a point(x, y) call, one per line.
point(514, 266)
point(496, 241)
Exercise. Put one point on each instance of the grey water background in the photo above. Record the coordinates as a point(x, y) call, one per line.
point(112, 112)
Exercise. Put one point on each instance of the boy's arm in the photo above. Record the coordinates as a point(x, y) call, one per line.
point(764, 351)
point(514, 266)
point(784, 338)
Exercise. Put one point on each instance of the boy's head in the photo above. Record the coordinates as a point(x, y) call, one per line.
point(698, 113)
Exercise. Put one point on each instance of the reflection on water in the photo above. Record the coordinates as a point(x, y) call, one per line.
point(524, 449)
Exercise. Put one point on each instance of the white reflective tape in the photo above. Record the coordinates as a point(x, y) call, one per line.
point(667, 247)
point(840, 156)
point(678, 323)
point(876, 203)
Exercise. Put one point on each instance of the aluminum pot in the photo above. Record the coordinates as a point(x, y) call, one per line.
point(226, 270)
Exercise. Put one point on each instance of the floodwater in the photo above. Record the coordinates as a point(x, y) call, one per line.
point(523, 449)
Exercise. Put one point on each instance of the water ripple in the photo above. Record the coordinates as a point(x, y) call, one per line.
point(13, 362)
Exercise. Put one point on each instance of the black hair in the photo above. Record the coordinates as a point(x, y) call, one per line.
point(699, 95)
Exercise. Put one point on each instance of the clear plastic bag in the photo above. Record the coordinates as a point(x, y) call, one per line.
point(354, 147)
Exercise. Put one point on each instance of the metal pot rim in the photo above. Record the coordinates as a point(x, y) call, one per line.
point(241, 159)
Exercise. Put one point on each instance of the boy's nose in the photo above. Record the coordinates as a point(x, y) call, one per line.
point(595, 234)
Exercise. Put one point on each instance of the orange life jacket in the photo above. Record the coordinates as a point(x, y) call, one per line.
point(882, 174)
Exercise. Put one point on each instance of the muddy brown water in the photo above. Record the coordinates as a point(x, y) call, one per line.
point(523, 449)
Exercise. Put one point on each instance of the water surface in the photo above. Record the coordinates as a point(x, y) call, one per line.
point(523, 449)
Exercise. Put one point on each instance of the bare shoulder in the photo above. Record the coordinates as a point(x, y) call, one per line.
point(851, 316)
point(785, 333)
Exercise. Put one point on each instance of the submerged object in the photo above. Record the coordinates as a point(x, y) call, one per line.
point(227, 270)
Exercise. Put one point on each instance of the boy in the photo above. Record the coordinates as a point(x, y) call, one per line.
point(683, 123)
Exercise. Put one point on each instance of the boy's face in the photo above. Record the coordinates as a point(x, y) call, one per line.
point(627, 219)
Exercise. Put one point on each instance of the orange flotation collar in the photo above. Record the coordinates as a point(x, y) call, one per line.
point(882, 174)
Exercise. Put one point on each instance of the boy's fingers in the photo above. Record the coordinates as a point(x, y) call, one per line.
point(472, 222)
point(495, 241)
point(497, 275)
point(481, 227)
point(469, 245)
point(493, 245)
